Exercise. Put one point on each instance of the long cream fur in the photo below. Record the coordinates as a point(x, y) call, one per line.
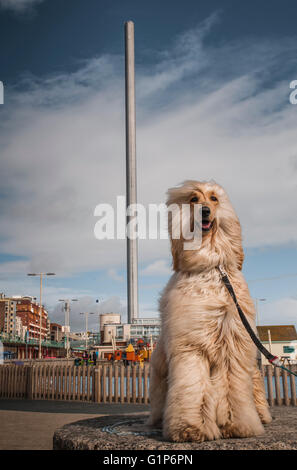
point(204, 381)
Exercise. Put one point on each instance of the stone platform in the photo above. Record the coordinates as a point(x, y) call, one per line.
point(129, 432)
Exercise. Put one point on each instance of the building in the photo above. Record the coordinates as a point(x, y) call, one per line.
point(56, 333)
point(20, 329)
point(280, 340)
point(18, 312)
point(144, 328)
point(2, 313)
point(29, 311)
point(108, 319)
point(8, 313)
point(48, 327)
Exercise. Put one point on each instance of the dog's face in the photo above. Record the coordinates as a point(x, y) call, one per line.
point(209, 202)
point(220, 228)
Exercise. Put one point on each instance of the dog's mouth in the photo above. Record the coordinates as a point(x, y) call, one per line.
point(206, 225)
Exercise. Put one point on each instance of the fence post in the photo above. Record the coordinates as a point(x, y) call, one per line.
point(293, 387)
point(96, 385)
point(134, 383)
point(83, 380)
point(128, 375)
point(139, 391)
point(277, 386)
point(116, 383)
point(145, 393)
point(104, 382)
point(90, 374)
point(285, 388)
point(122, 380)
point(30, 390)
point(269, 384)
point(110, 377)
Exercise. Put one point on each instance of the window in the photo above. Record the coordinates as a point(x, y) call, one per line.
point(288, 349)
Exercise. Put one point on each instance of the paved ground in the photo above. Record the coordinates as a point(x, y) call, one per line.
point(30, 425)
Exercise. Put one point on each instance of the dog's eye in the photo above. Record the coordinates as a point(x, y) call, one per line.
point(194, 199)
point(213, 198)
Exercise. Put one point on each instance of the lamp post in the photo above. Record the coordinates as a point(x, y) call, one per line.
point(98, 313)
point(67, 322)
point(41, 275)
point(86, 314)
point(257, 308)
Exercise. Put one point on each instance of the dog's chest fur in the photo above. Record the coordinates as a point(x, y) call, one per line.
point(198, 312)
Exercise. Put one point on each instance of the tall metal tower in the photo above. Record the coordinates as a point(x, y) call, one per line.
point(131, 189)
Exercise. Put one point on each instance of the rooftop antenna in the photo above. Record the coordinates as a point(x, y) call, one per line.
point(131, 190)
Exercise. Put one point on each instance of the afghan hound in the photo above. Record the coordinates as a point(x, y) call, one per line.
point(205, 383)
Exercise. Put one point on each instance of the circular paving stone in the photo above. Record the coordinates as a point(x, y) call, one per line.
point(130, 432)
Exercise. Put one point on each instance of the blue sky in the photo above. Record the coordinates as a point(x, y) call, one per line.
point(212, 102)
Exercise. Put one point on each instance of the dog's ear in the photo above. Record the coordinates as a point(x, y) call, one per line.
point(237, 243)
point(174, 199)
point(175, 245)
point(173, 225)
point(230, 236)
point(240, 258)
point(233, 230)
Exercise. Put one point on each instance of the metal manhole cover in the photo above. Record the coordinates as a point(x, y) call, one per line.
point(136, 427)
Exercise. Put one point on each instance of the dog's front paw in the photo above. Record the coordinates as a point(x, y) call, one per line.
point(241, 430)
point(265, 415)
point(188, 433)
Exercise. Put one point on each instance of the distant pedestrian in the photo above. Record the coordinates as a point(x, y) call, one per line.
point(94, 357)
point(85, 357)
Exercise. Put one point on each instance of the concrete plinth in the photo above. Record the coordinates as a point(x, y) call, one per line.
point(129, 432)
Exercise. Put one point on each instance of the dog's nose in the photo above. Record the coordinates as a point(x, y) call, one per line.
point(205, 211)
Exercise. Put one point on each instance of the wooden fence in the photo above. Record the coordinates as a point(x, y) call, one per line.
point(112, 383)
point(108, 383)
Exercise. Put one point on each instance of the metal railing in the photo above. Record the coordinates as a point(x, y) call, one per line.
point(7, 338)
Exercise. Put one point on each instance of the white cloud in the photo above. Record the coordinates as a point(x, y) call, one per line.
point(112, 273)
point(19, 5)
point(63, 150)
point(157, 268)
point(87, 304)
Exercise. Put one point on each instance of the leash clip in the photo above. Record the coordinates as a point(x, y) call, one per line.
point(275, 361)
point(222, 271)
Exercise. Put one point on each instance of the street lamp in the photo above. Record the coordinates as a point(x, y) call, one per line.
point(67, 321)
point(98, 313)
point(87, 314)
point(40, 306)
point(257, 308)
